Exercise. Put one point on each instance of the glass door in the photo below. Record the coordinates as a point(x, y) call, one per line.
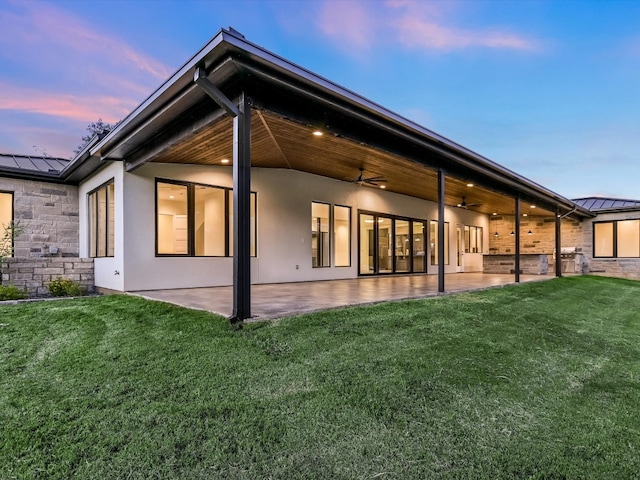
point(419, 247)
point(388, 244)
point(460, 248)
point(402, 247)
point(367, 244)
point(385, 246)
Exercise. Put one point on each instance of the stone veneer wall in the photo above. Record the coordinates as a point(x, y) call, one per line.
point(34, 274)
point(542, 238)
point(48, 212)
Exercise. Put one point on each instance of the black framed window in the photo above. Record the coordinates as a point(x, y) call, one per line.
point(196, 220)
point(472, 239)
point(320, 235)
point(617, 239)
point(342, 236)
point(433, 234)
point(102, 220)
point(6, 220)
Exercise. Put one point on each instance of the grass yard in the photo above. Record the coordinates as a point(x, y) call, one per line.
point(540, 380)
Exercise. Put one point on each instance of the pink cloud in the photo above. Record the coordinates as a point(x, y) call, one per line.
point(74, 107)
point(415, 24)
point(351, 22)
point(44, 25)
point(417, 32)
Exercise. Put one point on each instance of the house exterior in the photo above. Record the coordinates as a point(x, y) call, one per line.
point(243, 168)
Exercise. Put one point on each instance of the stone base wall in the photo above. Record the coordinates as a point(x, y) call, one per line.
point(34, 274)
point(529, 264)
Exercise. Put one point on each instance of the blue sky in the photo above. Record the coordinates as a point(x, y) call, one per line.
point(549, 89)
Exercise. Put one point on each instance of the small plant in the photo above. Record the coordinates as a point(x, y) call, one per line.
point(7, 236)
point(63, 287)
point(11, 292)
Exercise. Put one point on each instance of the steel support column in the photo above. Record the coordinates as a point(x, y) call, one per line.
point(441, 230)
point(242, 211)
point(517, 246)
point(558, 265)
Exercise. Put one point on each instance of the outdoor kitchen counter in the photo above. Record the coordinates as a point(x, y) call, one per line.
point(530, 263)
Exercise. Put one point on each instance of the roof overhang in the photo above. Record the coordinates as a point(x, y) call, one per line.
point(178, 111)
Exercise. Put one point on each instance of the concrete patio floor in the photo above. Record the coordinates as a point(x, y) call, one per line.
point(286, 299)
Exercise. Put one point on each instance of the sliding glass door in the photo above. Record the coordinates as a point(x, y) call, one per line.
point(389, 244)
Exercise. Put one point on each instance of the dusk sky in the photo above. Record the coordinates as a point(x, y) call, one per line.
point(549, 89)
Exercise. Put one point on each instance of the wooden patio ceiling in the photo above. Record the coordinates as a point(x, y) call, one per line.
point(277, 142)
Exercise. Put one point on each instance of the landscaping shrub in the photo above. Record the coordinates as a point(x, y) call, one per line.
point(11, 292)
point(63, 287)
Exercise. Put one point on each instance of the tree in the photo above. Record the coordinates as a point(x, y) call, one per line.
point(9, 233)
point(95, 128)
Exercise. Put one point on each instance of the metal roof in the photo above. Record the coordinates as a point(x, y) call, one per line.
point(26, 165)
point(229, 57)
point(602, 203)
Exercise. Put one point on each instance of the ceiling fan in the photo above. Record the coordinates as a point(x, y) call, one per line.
point(373, 181)
point(465, 205)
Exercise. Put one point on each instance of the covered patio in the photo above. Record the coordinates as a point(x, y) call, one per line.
point(237, 108)
point(281, 300)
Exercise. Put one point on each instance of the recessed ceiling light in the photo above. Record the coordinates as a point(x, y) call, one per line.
point(525, 214)
point(494, 213)
point(533, 206)
point(469, 184)
point(317, 133)
point(224, 160)
point(383, 186)
point(171, 197)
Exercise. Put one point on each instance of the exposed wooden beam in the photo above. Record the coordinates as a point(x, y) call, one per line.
point(270, 133)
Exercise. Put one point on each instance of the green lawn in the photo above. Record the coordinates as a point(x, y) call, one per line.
point(540, 380)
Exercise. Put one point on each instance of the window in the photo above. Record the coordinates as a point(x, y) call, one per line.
point(342, 236)
point(320, 245)
point(6, 216)
point(473, 239)
point(197, 220)
point(617, 239)
point(628, 241)
point(102, 220)
point(433, 233)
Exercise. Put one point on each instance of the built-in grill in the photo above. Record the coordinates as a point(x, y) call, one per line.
point(571, 260)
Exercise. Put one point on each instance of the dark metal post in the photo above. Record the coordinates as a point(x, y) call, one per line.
point(242, 212)
point(441, 230)
point(558, 265)
point(517, 247)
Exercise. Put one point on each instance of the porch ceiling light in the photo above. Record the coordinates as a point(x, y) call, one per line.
point(224, 160)
point(496, 234)
point(525, 214)
point(469, 184)
point(317, 133)
point(533, 206)
point(512, 233)
point(529, 232)
point(383, 186)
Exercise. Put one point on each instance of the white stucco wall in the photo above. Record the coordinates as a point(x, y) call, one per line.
point(109, 271)
point(284, 227)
